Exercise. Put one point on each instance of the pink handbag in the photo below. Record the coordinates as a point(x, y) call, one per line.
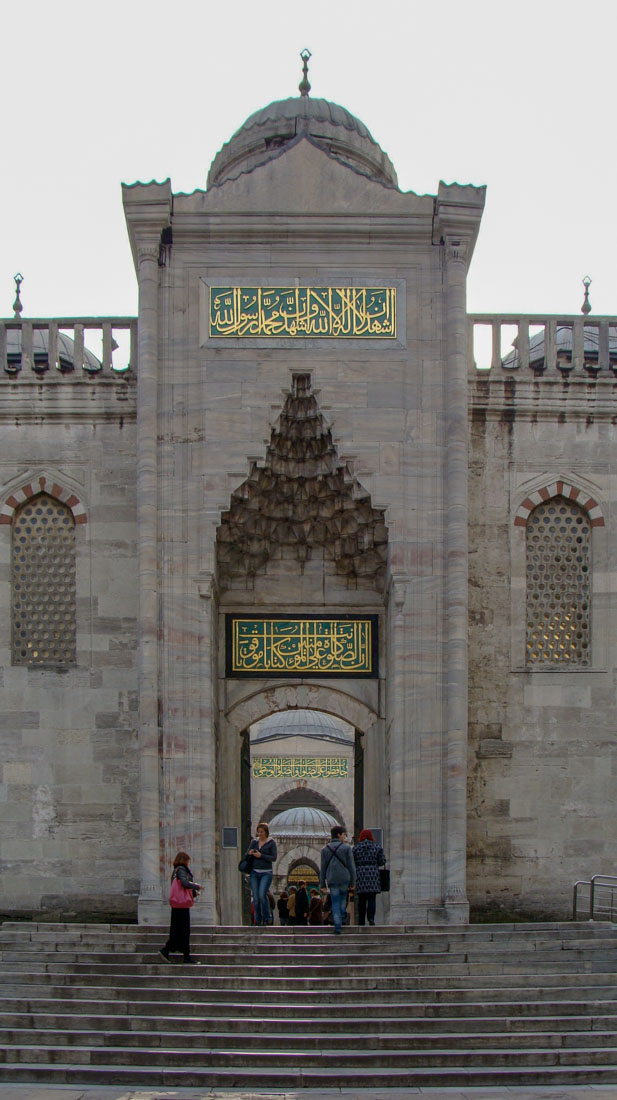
point(179, 896)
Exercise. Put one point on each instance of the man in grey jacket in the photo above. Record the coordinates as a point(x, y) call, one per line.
point(338, 873)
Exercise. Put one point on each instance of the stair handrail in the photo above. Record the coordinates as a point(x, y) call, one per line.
point(596, 906)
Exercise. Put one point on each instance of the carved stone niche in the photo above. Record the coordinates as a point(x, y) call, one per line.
point(302, 500)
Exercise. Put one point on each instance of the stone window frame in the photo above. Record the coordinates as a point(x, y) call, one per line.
point(18, 492)
point(524, 503)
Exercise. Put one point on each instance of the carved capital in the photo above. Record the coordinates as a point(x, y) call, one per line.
point(148, 250)
point(457, 250)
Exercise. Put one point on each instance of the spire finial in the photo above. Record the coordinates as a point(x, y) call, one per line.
point(304, 87)
point(586, 306)
point(17, 306)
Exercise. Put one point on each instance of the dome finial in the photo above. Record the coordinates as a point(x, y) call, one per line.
point(304, 87)
point(586, 306)
point(17, 306)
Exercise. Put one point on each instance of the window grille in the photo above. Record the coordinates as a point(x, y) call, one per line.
point(44, 622)
point(559, 584)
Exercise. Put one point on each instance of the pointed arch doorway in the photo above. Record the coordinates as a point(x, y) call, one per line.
point(365, 801)
point(301, 772)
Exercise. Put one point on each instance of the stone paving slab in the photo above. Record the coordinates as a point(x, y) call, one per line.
point(96, 1092)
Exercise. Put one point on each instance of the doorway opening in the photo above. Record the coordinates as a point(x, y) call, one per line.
point(301, 772)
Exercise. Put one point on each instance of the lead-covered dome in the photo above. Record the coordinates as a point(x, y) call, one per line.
point(268, 131)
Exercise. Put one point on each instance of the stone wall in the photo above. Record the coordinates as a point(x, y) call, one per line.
point(69, 777)
point(542, 749)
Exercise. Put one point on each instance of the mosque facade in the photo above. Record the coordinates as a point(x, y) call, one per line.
point(303, 560)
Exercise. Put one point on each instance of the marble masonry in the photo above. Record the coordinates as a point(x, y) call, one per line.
point(309, 552)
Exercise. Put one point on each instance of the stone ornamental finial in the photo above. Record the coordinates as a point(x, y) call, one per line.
point(586, 306)
point(304, 87)
point(17, 306)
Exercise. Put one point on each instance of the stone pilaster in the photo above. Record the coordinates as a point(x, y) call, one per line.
point(458, 217)
point(147, 212)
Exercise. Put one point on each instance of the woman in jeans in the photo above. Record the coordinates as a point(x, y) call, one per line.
point(263, 851)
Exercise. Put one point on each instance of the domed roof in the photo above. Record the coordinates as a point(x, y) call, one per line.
point(305, 723)
point(302, 821)
point(268, 131)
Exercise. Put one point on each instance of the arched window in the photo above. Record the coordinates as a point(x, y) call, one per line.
point(43, 575)
point(559, 584)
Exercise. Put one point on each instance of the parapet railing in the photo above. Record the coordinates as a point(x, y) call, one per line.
point(68, 345)
point(543, 343)
point(595, 899)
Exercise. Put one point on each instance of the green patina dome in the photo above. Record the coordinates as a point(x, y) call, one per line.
point(270, 130)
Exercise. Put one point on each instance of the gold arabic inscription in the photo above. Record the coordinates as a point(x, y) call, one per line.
point(300, 767)
point(301, 311)
point(302, 646)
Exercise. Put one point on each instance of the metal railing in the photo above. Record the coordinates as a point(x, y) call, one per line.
point(595, 899)
point(65, 344)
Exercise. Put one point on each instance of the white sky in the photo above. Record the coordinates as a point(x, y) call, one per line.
point(520, 97)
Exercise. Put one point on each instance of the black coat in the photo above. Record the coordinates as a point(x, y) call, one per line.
point(302, 905)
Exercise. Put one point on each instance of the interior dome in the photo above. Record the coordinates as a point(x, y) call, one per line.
point(268, 131)
point(303, 723)
point(302, 821)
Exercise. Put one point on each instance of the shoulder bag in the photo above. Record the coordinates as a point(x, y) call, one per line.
point(245, 865)
point(180, 897)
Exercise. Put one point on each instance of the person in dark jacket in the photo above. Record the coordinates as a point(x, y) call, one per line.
point(338, 873)
point(302, 904)
point(264, 853)
point(368, 857)
point(282, 908)
point(180, 923)
point(315, 908)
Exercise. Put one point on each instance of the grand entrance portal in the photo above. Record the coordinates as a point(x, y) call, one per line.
point(302, 482)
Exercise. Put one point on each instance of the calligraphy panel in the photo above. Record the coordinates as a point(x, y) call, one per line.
point(284, 646)
point(303, 311)
point(301, 767)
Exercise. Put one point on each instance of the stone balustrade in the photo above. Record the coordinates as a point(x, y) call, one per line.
point(543, 344)
point(65, 344)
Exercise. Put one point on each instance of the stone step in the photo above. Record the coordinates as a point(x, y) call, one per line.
point(306, 1078)
point(268, 980)
point(379, 1009)
point(218, 930)
point(292, 1007)
point(303, 1057)
point(103, 1025)
point(322, 943)
point(300, 993)
point(132, 954)
point(297, 974)
point(331, 1040)
point(309, 934)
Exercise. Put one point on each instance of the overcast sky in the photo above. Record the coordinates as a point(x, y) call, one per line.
point(520, 97)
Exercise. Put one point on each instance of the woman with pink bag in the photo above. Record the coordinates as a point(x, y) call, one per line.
point(181, 897)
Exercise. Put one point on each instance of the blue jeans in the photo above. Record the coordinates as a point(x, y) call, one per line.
point(339, 904)
point(260, 884)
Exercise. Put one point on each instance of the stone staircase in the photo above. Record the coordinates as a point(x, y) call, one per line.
point(476, 1005)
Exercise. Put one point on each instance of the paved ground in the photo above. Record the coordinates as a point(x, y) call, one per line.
point(96, 1092)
